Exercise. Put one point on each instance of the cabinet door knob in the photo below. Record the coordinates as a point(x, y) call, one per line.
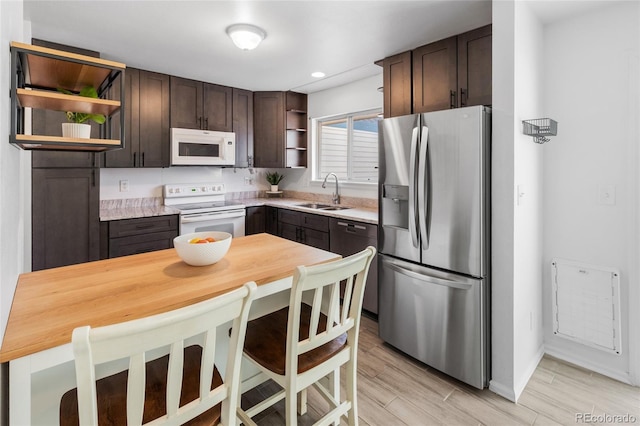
point(135, 154)
point(452, 99)
point(463, 97)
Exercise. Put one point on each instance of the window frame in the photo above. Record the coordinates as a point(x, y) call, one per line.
point(316, 124)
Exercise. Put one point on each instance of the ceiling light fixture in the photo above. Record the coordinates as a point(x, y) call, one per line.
point(317, 74)
point(246, 36)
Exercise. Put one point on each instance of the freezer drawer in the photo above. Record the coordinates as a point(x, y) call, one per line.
point(436, 317)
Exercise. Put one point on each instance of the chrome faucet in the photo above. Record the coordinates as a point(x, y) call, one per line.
point(335, 197)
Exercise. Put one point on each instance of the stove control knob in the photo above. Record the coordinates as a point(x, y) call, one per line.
point(178, 190)
point(204, 189)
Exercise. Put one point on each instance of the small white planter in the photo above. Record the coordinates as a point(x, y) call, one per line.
point(76, 130)
point(274, 188)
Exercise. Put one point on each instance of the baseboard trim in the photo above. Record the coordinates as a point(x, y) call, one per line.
point(503, 390)
point(526, 376)
point(621, 376)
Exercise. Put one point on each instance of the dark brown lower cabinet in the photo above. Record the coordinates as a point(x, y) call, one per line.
point(65, 216)
point(255, 221)
point(139, 235)
point(305, 228)
point(271, 220)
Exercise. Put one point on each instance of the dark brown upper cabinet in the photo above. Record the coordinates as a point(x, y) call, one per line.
point(474, 67)
point(243, 126)
point(450, 73)
point(435, 76)
point(147, 137)
point(280, 129)
point(397, 85)
point(199, 105)
point(268, 129)
point(454, 72)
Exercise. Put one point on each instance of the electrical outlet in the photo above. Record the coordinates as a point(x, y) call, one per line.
point(248, 180)
point(124, 185)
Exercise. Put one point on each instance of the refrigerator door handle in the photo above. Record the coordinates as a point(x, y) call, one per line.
point(413, 226)
point(423, 188)
point(434, 280)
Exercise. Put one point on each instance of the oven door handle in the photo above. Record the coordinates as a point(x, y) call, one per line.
point(211, 216)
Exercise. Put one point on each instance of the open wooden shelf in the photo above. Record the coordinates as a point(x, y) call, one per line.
point(61, 102)
point(31, 142)
point(37, 75)
point(57, 69)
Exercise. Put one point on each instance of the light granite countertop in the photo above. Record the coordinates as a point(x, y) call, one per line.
point(359, 214)
point(132, 208)
point(149, 207)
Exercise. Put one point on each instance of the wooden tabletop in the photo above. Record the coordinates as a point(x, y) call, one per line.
point(49, 304)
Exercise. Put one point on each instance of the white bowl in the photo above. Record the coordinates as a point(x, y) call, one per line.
point(204, 253)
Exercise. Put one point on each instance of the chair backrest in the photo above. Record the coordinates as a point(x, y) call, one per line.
point(133, 339)
point(319, 287)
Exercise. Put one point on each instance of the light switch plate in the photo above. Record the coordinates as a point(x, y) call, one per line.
point(124, 185)
point(607, 195)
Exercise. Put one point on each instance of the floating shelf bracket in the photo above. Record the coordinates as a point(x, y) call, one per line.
point(540, 128)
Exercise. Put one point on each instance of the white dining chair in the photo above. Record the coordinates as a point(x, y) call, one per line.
point(172, 389)
point(307, 342)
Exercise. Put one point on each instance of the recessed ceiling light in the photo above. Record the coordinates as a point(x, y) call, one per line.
point(317, 74)
point(246, 36)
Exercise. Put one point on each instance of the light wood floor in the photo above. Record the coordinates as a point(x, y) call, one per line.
point(396, 390)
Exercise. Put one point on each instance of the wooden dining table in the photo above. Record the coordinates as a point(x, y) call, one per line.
point(49, 304)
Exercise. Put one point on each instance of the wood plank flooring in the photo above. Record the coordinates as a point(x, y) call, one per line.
point(394, 389)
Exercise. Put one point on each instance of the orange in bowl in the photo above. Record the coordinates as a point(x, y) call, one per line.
point(202, 248)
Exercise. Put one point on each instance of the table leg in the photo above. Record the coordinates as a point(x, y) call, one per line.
point(20, 392)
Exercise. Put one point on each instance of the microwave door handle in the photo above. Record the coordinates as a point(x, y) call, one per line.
point(423, 187)
point(413, 230)
point(209, 216)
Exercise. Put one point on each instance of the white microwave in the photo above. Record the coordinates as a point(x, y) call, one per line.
point(191, 147)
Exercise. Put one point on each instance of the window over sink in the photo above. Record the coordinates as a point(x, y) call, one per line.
point(347, 145)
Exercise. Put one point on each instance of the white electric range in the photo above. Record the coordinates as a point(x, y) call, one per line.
point(203, 207)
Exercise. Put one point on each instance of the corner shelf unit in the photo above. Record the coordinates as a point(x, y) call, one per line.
point(296, 128)
point(36, 75)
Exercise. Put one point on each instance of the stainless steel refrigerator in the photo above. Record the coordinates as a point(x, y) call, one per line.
point(433, 239)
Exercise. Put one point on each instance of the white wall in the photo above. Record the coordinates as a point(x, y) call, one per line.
point(517, 226)
point(528, 223)
point(14, 189)
point(591, 89)
point(502, 201)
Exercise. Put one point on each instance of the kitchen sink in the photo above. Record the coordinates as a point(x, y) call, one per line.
point(335, 208)
point(322, 206)
point(314, 205)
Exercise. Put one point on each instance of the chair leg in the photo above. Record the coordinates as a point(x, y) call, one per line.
point(352, 388)
point(302, 402)
point(291, 414)
point(334, 388)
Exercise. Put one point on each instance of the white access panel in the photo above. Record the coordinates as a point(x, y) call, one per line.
point(586, 304)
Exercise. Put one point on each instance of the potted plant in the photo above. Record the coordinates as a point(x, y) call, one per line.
point(274, 179)
point(76, 127)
